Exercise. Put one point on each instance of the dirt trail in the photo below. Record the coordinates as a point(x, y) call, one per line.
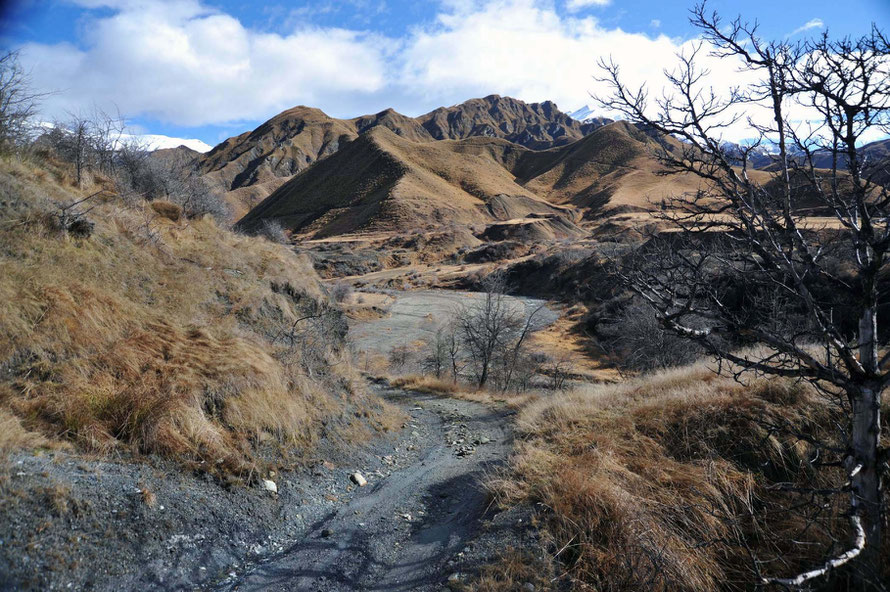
point(400, 532)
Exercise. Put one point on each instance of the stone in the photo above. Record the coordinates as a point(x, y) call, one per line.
point(269, 486)
point(358, 479)
point(327, 532)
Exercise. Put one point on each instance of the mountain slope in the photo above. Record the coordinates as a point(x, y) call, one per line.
point(382, 181)
point(249, 167)
point(615, 166)
point(537, 125)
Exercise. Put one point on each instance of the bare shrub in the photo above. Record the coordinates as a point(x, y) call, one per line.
point(436, 360)
point(18, 102)
point(273, 231)
point(399, 356)
point(341, 292)
point(493, 332)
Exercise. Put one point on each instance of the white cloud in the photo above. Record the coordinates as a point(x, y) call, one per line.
point(815, 23)
point(576, 5)
point(525, 49)
point(178, 61)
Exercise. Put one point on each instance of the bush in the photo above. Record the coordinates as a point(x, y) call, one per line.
point(273, 231)
point(341, 292)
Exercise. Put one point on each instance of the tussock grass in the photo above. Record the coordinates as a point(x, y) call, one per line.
point(659, 482)
point(162, 336)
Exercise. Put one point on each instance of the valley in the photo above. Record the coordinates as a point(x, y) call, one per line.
point(488, 348)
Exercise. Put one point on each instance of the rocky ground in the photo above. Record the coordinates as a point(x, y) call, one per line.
point(73, 523)
point(411, 529)
point(405, 511)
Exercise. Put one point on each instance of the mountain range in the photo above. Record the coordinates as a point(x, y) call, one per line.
point(249, 167)
point(487, 160)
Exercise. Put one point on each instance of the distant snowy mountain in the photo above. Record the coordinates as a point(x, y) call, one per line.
point(582, 114)
point(158, 142)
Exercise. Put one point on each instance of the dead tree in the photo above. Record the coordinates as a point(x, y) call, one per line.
point(493, 330)
point(752, 227)
point(18, 102)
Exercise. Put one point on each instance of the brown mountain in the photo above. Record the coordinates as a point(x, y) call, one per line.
point(615, 166)
point(384, 182)
point(251, 166)
point(534, 125)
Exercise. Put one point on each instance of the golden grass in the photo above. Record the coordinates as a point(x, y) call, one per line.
point(642, 480)
point(159, 336)
point(424, 383)
point(14, 436)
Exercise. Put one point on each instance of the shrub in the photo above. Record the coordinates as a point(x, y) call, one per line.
point(341, 292)
point(273, 231)
point(652, 483)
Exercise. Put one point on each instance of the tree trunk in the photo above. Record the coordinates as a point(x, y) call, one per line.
point(866, 487)
point(866, 483)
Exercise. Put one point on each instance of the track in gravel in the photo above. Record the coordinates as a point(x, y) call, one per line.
point(400, 532)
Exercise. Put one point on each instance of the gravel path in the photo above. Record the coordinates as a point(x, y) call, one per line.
point(401, 532)
point(415, 316)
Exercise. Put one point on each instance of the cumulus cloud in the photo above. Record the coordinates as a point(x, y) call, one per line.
point(178, 61)
point(182, 62)
point(526, 49)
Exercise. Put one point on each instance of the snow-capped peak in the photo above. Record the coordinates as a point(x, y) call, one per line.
point(582, 114)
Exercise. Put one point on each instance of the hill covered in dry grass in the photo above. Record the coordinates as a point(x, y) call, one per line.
point(127, 328)
point(382, 181)
point(252, 165)
point(386, 182)
point(680, 480)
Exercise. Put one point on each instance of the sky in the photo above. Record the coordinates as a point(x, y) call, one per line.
point(211, 69)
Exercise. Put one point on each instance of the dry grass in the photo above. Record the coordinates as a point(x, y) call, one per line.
point(14, 436)
point(654, 483)
point(160, 337)
point(423, 383)
point(167, 209)
point(514, 570)
point(148, 496)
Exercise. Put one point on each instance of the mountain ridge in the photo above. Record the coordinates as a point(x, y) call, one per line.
point(252, 165)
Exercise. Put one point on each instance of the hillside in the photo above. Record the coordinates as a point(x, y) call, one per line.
point(537, 125)
point(251, 166)
point(613, 167)
point(385, 182)
point(128, 329)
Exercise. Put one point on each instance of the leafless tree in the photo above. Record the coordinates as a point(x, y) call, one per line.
point(493, 331)
point(18, 101)
point(437, 356)
point(88, 141)
point(752, 229)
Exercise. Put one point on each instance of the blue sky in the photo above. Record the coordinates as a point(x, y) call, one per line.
point(211, 69)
